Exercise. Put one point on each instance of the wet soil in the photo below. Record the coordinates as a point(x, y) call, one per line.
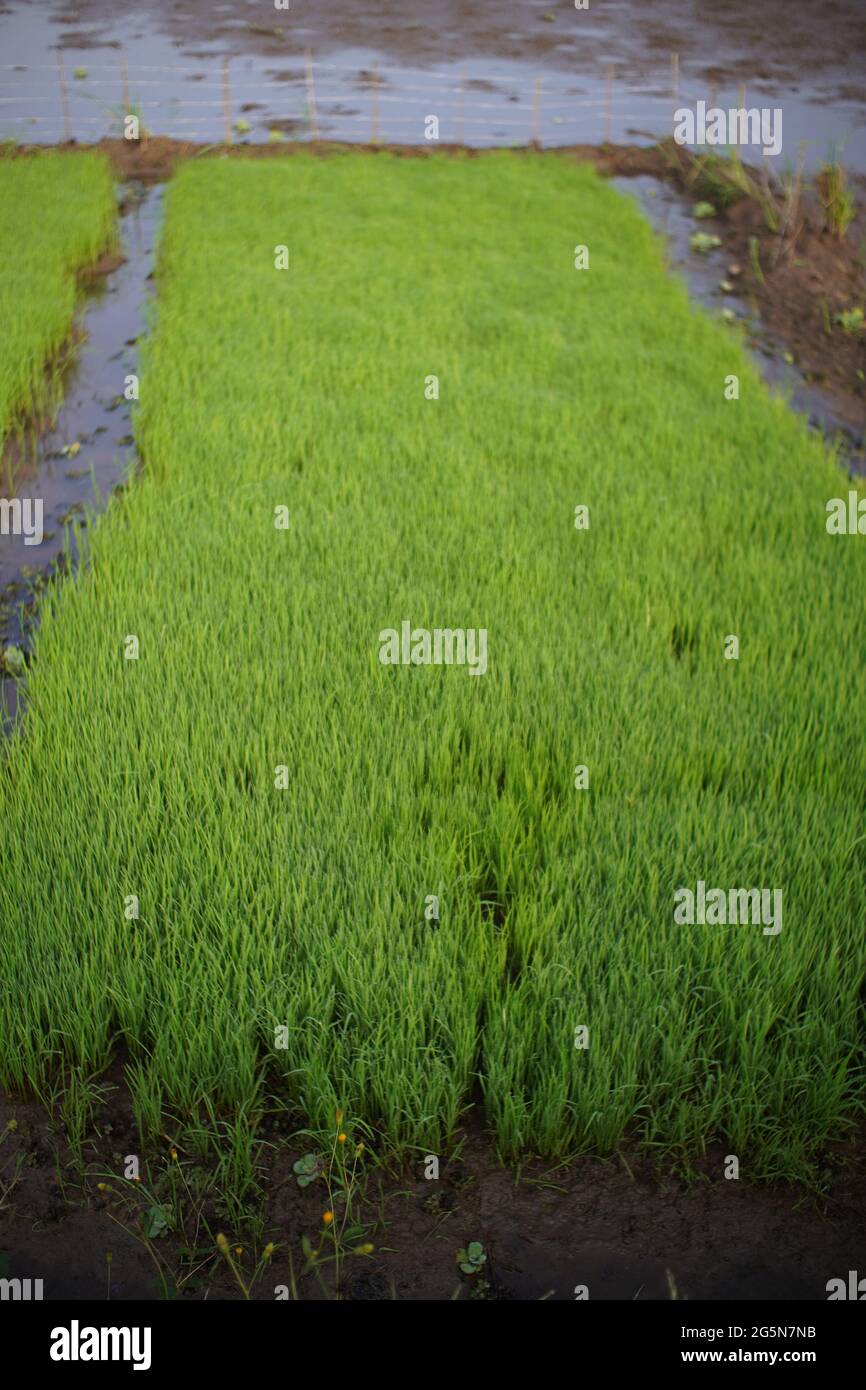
point(623, 1228)
point(771, 41)
point(798, 279)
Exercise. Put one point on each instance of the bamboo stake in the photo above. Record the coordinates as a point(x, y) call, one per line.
point(227, 109)
point(374, 109)
point(536, 111)
point(608, 103)
point(311, 98)
point(64, 99)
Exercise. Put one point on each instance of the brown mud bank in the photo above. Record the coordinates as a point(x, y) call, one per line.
point(798, 276)
point(619, 1229)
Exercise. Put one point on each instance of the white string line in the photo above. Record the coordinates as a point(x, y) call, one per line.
point(277, 113)
point(211, 137)
point(272, 59)
point(334, 118)
point(555, 106)
point(399, 96)
point(565, 133)
point(448, 80)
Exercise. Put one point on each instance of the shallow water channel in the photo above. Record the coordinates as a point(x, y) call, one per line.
point(88, 449)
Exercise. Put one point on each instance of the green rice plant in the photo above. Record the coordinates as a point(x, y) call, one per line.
point(716, 179)
point(836, 197)
point(281, 804)
point(57, 214)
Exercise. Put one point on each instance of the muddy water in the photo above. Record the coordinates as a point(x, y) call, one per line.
point(380, 70)
point(88, 449)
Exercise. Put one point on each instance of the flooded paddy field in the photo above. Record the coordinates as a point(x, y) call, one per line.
point(494, 73)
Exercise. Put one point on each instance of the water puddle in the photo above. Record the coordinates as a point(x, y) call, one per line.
point(671, 214)
point(88, 449)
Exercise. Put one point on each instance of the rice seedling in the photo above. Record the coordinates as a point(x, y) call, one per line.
point(836, 197)
point(57, 213)
point(226, 822)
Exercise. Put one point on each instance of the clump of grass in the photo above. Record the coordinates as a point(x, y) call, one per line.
point(836, 197)
point(718, 181)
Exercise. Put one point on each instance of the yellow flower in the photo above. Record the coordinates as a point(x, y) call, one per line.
point(174, 1154)
point(222, 1243)
point(359, 1149)
point(366, 1249)
point(108, 1257)
point(239, 1249)
point(269, 1249)
point(100, 1186)
point(328, 1217)
point(341, 1138)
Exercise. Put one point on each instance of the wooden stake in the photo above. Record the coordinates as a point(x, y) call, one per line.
point(311, 98)
point(374, 109)
point(227, 106)
point(536, 112)
point(64, 100)
point(608, 103)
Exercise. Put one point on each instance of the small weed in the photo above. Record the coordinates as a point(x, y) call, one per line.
point(704, 242)
point(473, 1258)
point(851, 321)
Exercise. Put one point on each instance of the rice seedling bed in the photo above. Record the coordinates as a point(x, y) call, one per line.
point(230, 827)
point(57, 215)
